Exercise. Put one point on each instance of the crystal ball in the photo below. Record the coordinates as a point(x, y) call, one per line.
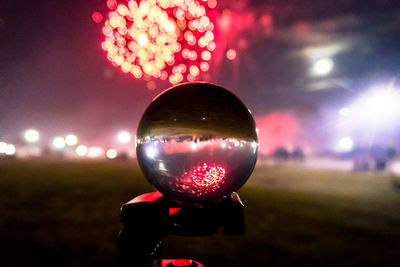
point(197, 142)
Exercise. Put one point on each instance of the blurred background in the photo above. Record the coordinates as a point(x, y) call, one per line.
point(320, 78)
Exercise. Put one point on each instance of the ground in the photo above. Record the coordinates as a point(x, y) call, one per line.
point(67, 214)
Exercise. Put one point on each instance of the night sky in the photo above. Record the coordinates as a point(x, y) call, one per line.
point(55, 77)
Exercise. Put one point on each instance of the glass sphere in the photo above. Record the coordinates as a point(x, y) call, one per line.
point(197, 142)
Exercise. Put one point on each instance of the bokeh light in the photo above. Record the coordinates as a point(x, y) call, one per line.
point(97, 17)
point(111, 153)
point(124, 137)
point(10, 150)
point(81, 150)
point(3, 147)
point(345, 144)
point(231, 54)
point(381, 102)
point(59, 142)
point(112, 4)
point(212, 3)
point(71, 140)
point(344, 112)
point(95, 152)
point(31, 135)
point(151, 85)
point(378, 108)
point(155, 38)
point(322, 67)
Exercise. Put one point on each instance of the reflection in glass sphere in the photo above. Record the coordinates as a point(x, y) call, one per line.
point(197, 142)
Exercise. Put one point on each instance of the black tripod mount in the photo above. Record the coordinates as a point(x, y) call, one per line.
point(150, 217)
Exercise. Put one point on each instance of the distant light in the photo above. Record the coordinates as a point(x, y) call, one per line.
point(151, 152)
point(31, 135)
point(59, 142)
point(161, 166)
point(395, 167)
point(322, 67)
point(10, 150)
point(95, 152)
point(254, 145)
point(344, 112)
point(151, 85)
point(231, 54)
point(345, 144)
point(212, 3)
point(3, 147)
point(112, 4)
point(382, 101)
point(124, 137)
point(81, 150)
point(379, 106)
point(111, 153)
point(97, 17)
point(71, 140)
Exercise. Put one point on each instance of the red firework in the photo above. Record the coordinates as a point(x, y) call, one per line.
point(208, 176)
point(165, 39)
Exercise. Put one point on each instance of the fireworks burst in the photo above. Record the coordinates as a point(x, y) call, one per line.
point(164, 39)
point(208, 176)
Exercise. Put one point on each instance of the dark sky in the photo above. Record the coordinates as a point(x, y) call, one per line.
point(55, 77)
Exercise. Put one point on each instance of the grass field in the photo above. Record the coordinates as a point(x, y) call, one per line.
point(67, 214)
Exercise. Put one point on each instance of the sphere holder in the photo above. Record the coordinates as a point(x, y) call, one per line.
point(150, 217)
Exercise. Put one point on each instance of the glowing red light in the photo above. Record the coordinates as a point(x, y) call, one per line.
point(212, 3)
point(149, 37)
point(225, 20)
point(112, 4)
point(146, 197)
point(173, 211)
point(151, 85)
point(231, 54)
point(97, 17)
point(208, 176)
point(182, 262)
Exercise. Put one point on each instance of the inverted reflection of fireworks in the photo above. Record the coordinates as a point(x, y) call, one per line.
point(208, 176)
point(165, 39)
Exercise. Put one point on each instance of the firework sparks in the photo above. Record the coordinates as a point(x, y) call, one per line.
point(164, 39)
point(208, 176)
